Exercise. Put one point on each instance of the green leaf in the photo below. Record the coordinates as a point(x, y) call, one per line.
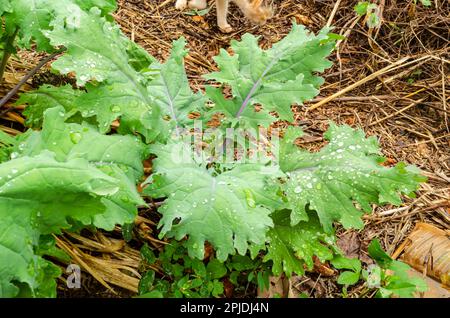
point(198, 12)
point(217, 289)
point(127, 231)
point(251, 276)
point(68, 141)
point(125, 81)
point(29, 184)
point(196, 283)
point(7, 144)
point(275, 78)
point(347, 170)
point(6, 140)
point(177, 270)
point(348, 278)
point(228, 108)
point(361, 8)
point(98, 52)
point(170, 89)
point(107, 6)
point(216, 269)
point(22, 272)
point(146, 282)
point(335, 36)
point(31, 18)
point(121, 208)
point(378, 254)
point(152, 294)
point(426, 3)
point(373, 20)
point(45, 97)
point(182, 282)
point(341, 262)
point(87, 55)
point(5, 6)
point(34, 18)
point(399, 288)
point(40, 195)
point(199, 267)
point(108, 102)
point(47, 247)
point(263, 280)
point(234, 277)
point(242, 263)
point(209, 207)
point(397, 280)
point(147, 254)
point(140, 59)
point(291, 248)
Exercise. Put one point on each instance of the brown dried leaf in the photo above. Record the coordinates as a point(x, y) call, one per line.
point(198, 18)
point(303, 19)
point(389, 162)
point(228, 288)
point(435, 290)
point(209, 251)
point(429, 251)
point(323, 268)
point(350, 244)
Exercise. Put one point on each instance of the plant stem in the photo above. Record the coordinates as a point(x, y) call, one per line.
point(7, 53)
point(16, 88)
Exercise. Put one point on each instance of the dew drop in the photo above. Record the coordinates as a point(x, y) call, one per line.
point(249, 197)
point(75, 137)
point(115, 109)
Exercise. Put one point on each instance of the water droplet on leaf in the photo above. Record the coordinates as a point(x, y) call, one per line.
point(75, 137)
point(249, 197)
point(115, 109)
